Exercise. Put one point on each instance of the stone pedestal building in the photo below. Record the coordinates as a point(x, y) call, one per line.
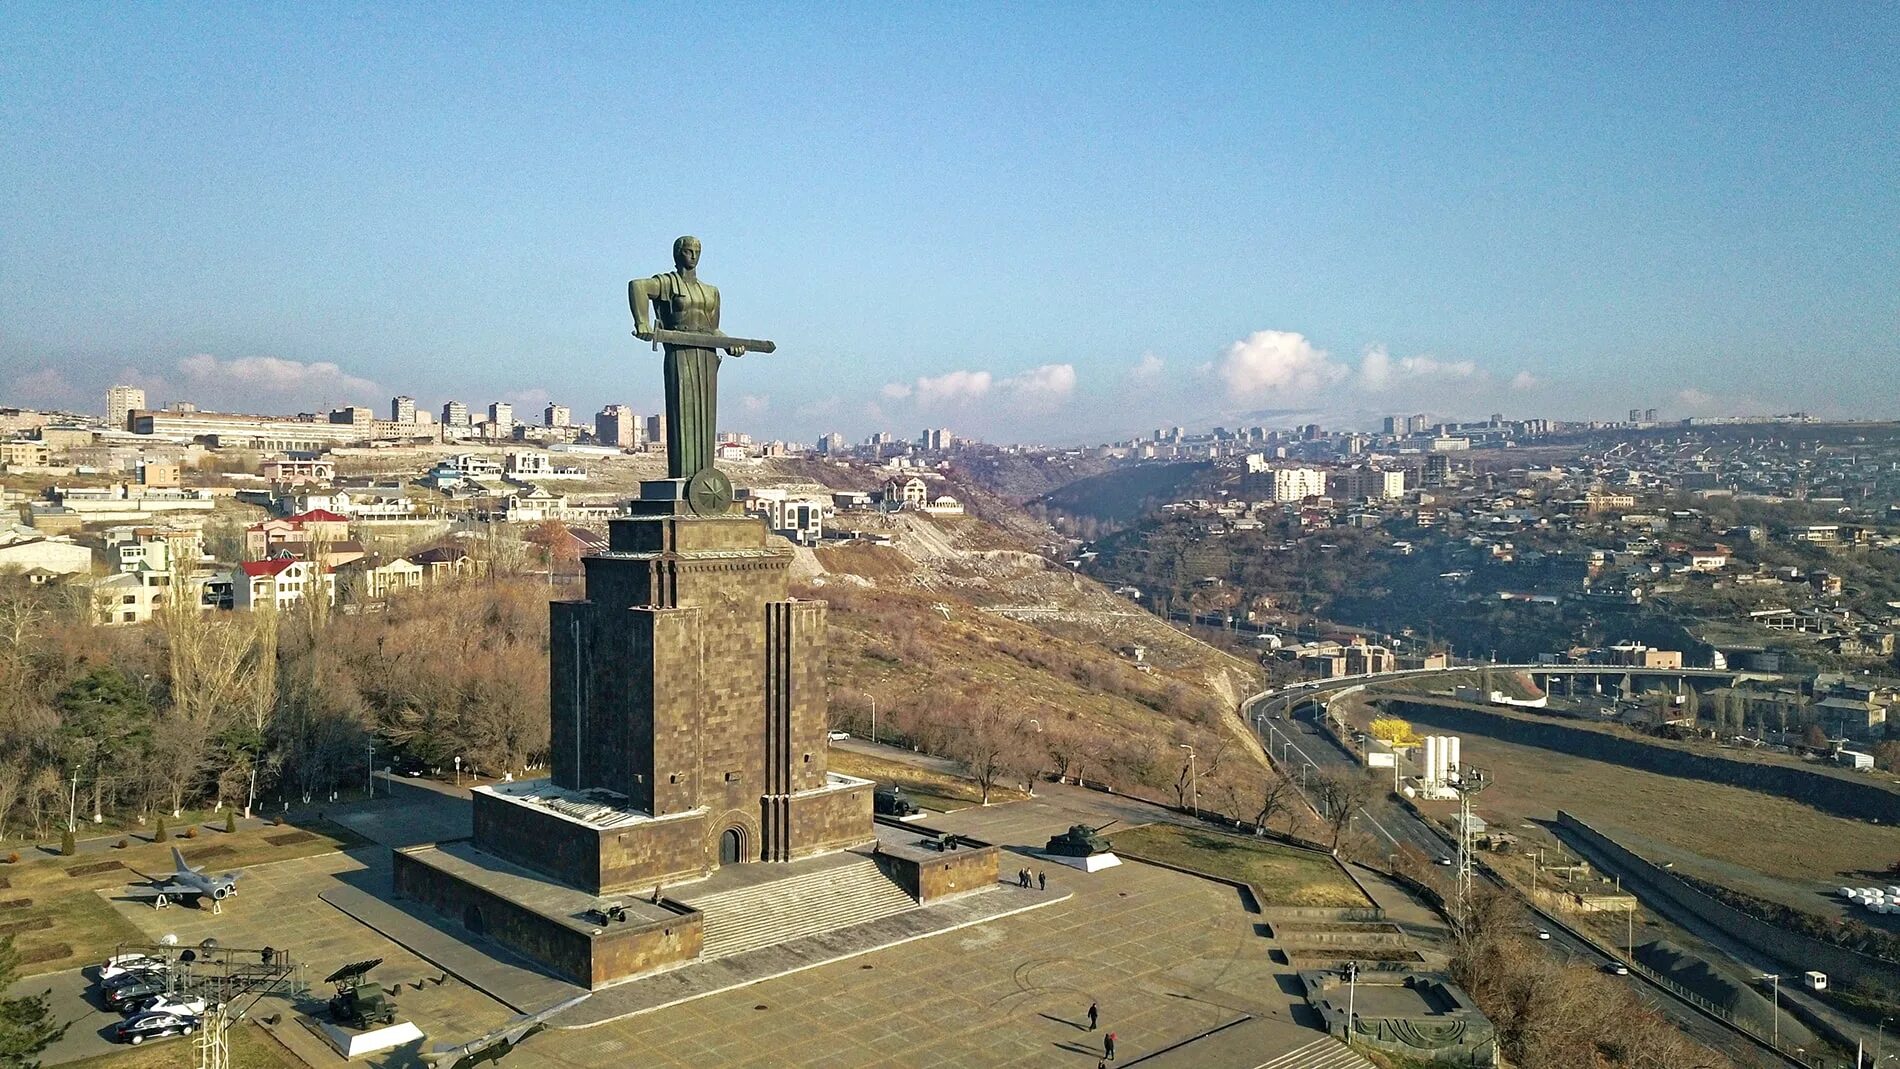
point(688, 733)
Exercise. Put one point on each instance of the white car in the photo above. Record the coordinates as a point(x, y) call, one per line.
point(1543, 933)
point(835, 736)
point(124, 963)
point(1617, 968)
point(175, 1003)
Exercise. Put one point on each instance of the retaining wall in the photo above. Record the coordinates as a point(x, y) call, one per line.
point(1799, 952)
point(1856, 797)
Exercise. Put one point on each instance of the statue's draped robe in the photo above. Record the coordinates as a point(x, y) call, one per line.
point(692, 375)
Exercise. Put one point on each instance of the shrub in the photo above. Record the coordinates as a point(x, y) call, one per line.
point(67, 844)
point(122, 844)
point(13, 859)
point(191, 832)
point(230, 820)
point(159, 833)
point(278, 820)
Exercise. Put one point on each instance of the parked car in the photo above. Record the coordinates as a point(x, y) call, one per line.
point(120, 997)
point(136, 1030)
point(119, 964)
point(132, 976)
point(835, 736)
point(173, 1002)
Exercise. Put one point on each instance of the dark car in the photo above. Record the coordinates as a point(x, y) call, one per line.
point(136, 1030)
point(132, 976)
point(128, 994)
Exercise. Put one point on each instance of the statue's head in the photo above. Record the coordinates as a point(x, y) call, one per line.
point(686, 253)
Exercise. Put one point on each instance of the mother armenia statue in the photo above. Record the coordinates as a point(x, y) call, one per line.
point(680, 312)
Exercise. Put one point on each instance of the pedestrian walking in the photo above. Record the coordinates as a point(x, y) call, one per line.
point(1108, 1047)
point(1042, 880)
point(1092, 1012)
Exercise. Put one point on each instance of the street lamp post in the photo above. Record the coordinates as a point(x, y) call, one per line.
point(1352, 994)
point(1880, 1034)
point(458, 770)
point(1194, 781)
point(874, 721)
point(370, 782)
point(72, 806)
point(250, 799)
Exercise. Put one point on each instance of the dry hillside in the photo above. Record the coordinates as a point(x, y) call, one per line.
point(952, 614)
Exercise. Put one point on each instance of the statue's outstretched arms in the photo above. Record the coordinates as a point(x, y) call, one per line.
point(640, 295)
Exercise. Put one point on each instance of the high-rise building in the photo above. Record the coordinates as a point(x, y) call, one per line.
point(1649, 415)
point(1297, 484)
point(615, 425)
point(555, 415)
point(354, 415)
point(402, 409)
point(1394, 425)
point(501, 415)
point(1636, 415)
point(455, 414)
point(831, 444)
point(935, 439)
point(1418, 424)
point(121, 401)
point(656, 429)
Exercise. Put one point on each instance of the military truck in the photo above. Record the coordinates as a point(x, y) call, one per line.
point(1079, 841)
point(359, 1002)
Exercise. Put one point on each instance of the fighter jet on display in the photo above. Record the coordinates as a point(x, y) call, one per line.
point(495, 1045)
point(186, 882)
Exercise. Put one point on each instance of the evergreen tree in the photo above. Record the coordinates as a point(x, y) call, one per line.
point(26, 1023)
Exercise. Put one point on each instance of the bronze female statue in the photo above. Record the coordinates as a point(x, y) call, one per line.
point(680, 302)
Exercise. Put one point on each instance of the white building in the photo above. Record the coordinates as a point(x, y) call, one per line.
point(24, 550)
point(1298, 484)
point(121, 402)
point(279, 583)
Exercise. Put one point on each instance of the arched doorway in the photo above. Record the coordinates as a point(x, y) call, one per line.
point(731, 846)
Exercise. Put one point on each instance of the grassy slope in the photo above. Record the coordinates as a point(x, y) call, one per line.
point(1279, 875)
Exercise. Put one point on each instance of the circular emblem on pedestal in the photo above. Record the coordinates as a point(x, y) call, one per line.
point(709, 493)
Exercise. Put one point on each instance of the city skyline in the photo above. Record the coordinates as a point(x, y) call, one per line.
point(1245, 217)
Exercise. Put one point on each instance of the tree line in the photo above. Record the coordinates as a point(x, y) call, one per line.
point(283, 707)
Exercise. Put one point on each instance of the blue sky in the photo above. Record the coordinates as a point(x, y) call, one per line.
point(1030, 222)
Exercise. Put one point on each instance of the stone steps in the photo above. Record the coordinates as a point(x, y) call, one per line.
point(733, 922)
point(1327, 1053)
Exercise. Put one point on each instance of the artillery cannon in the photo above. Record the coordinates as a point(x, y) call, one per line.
point(1079, 841)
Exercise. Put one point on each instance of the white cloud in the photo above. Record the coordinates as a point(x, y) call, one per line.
point(952, 387)
point(273, 375)
point(1379, 371)
point(1046, 385)
point(1696, 399)
point(1524, 380)
point(46, 386)
point(1147, 369)
point(752, 404)
point(1276, 360)
point(895, 391)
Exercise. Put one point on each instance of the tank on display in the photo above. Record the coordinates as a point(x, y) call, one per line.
point(1079, 841)
point(891, 801)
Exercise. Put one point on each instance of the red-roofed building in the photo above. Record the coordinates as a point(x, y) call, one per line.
point(279, 582)
point(294, 534)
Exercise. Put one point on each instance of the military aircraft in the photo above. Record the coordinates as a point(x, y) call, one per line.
point(186, 882)
point(495, 1045)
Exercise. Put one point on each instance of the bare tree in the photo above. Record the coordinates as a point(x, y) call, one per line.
point(1340, 795)
point(992, 743)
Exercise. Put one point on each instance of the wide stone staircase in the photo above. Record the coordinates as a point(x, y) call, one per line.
point(839, 895)
point(1327, 1053)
